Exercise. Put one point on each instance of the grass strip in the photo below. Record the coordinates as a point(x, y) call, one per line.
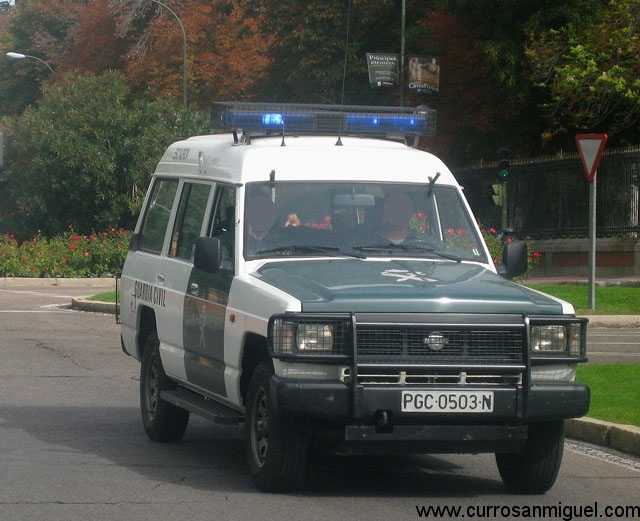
point(610, 300)
point(107, 296)
point(615, 393)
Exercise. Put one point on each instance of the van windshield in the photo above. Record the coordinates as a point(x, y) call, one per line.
point(358, 219)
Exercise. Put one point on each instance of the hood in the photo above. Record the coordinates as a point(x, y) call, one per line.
point(402, 286)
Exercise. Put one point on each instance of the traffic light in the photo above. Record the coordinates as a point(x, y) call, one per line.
point(503, 156)
point(497, 194)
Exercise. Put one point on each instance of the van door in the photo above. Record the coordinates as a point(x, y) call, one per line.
point(205, 303)
point(190, 222)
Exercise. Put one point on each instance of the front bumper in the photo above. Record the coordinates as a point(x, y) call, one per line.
point(372, 413)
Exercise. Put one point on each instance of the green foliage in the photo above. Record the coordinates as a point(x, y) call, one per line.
point(67, 255)
point(589, 72)
point(85, 154)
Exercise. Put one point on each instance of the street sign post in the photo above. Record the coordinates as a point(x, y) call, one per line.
point(591, 147)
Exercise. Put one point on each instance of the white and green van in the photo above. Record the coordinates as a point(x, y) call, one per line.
point(313, 275)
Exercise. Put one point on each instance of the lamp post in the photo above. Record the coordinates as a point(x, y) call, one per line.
point(184, 50)
point(19, 56)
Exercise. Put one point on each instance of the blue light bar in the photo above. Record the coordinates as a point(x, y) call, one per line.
point(280, 118)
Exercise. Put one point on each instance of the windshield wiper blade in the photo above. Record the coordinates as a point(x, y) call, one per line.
point(407, 248)
point(308, 249)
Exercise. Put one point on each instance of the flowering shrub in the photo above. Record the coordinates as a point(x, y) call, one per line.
point(495, 245)
point(67, 255)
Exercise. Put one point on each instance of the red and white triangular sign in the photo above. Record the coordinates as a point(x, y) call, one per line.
point(591, 147)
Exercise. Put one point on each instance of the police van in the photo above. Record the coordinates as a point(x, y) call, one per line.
point(312, 274)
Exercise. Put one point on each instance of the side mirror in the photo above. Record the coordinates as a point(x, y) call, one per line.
point(207, 254)
point(514, 260)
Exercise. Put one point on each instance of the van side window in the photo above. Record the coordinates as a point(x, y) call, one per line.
point(154, 226)
point(223, 226)
point(191, 210)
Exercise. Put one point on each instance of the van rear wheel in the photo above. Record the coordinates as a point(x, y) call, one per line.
point(162, 420)
point(276, 445)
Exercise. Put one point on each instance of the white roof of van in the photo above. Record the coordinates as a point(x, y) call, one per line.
point(313, 158)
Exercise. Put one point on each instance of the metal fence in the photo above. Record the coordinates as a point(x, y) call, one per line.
point(549, 198)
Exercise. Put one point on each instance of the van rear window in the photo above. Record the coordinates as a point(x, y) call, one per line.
point(158, 212)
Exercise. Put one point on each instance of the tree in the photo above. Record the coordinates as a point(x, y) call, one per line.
point(226, 55)
point(83, 157)
point(94, 44)
point(589, 73)
point(320, 46)
point(473, 101)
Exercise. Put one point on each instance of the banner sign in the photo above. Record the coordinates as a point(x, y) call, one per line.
point(383, 69)
point(424, 74)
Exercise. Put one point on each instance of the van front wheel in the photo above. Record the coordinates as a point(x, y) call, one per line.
point(534, 469)
point(276, 445)
point(162, 420)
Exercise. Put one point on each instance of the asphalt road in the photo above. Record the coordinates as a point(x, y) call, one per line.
point(72, 447)
point(607, 345)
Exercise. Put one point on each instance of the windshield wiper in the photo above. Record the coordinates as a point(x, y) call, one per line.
point(326, 250)
point(408, 248)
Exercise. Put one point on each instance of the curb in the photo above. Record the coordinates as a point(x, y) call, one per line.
point(613, 320)
point(625, 438)
point(94, 306)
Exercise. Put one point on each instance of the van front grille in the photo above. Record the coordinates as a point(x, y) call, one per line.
point(438, 345)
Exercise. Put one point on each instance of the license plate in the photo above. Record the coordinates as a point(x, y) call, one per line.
point(447, 401)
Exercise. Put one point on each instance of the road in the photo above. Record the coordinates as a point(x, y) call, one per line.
point(72, 447)
point(607, 345)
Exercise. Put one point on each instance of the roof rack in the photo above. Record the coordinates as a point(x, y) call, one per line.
point(255, 119)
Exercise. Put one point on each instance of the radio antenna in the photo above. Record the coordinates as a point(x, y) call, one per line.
point(344, 68)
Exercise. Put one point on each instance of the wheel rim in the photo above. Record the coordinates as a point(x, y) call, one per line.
point(153, 387)
point(260, 428)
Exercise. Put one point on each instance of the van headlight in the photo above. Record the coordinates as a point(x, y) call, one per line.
point(309, 336)
point(548, 339)
point(566, 338)
point(314, 337)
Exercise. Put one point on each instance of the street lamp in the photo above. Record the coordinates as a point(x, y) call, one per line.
point(18, 56)
point(184, 50)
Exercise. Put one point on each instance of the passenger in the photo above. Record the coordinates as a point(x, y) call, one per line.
point(261, 216)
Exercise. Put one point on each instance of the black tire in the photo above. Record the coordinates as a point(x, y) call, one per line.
point(276, 445)
point(162, 420)
point(534, 470)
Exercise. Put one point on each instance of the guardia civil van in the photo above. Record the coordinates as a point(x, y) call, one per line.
point(312, 274)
